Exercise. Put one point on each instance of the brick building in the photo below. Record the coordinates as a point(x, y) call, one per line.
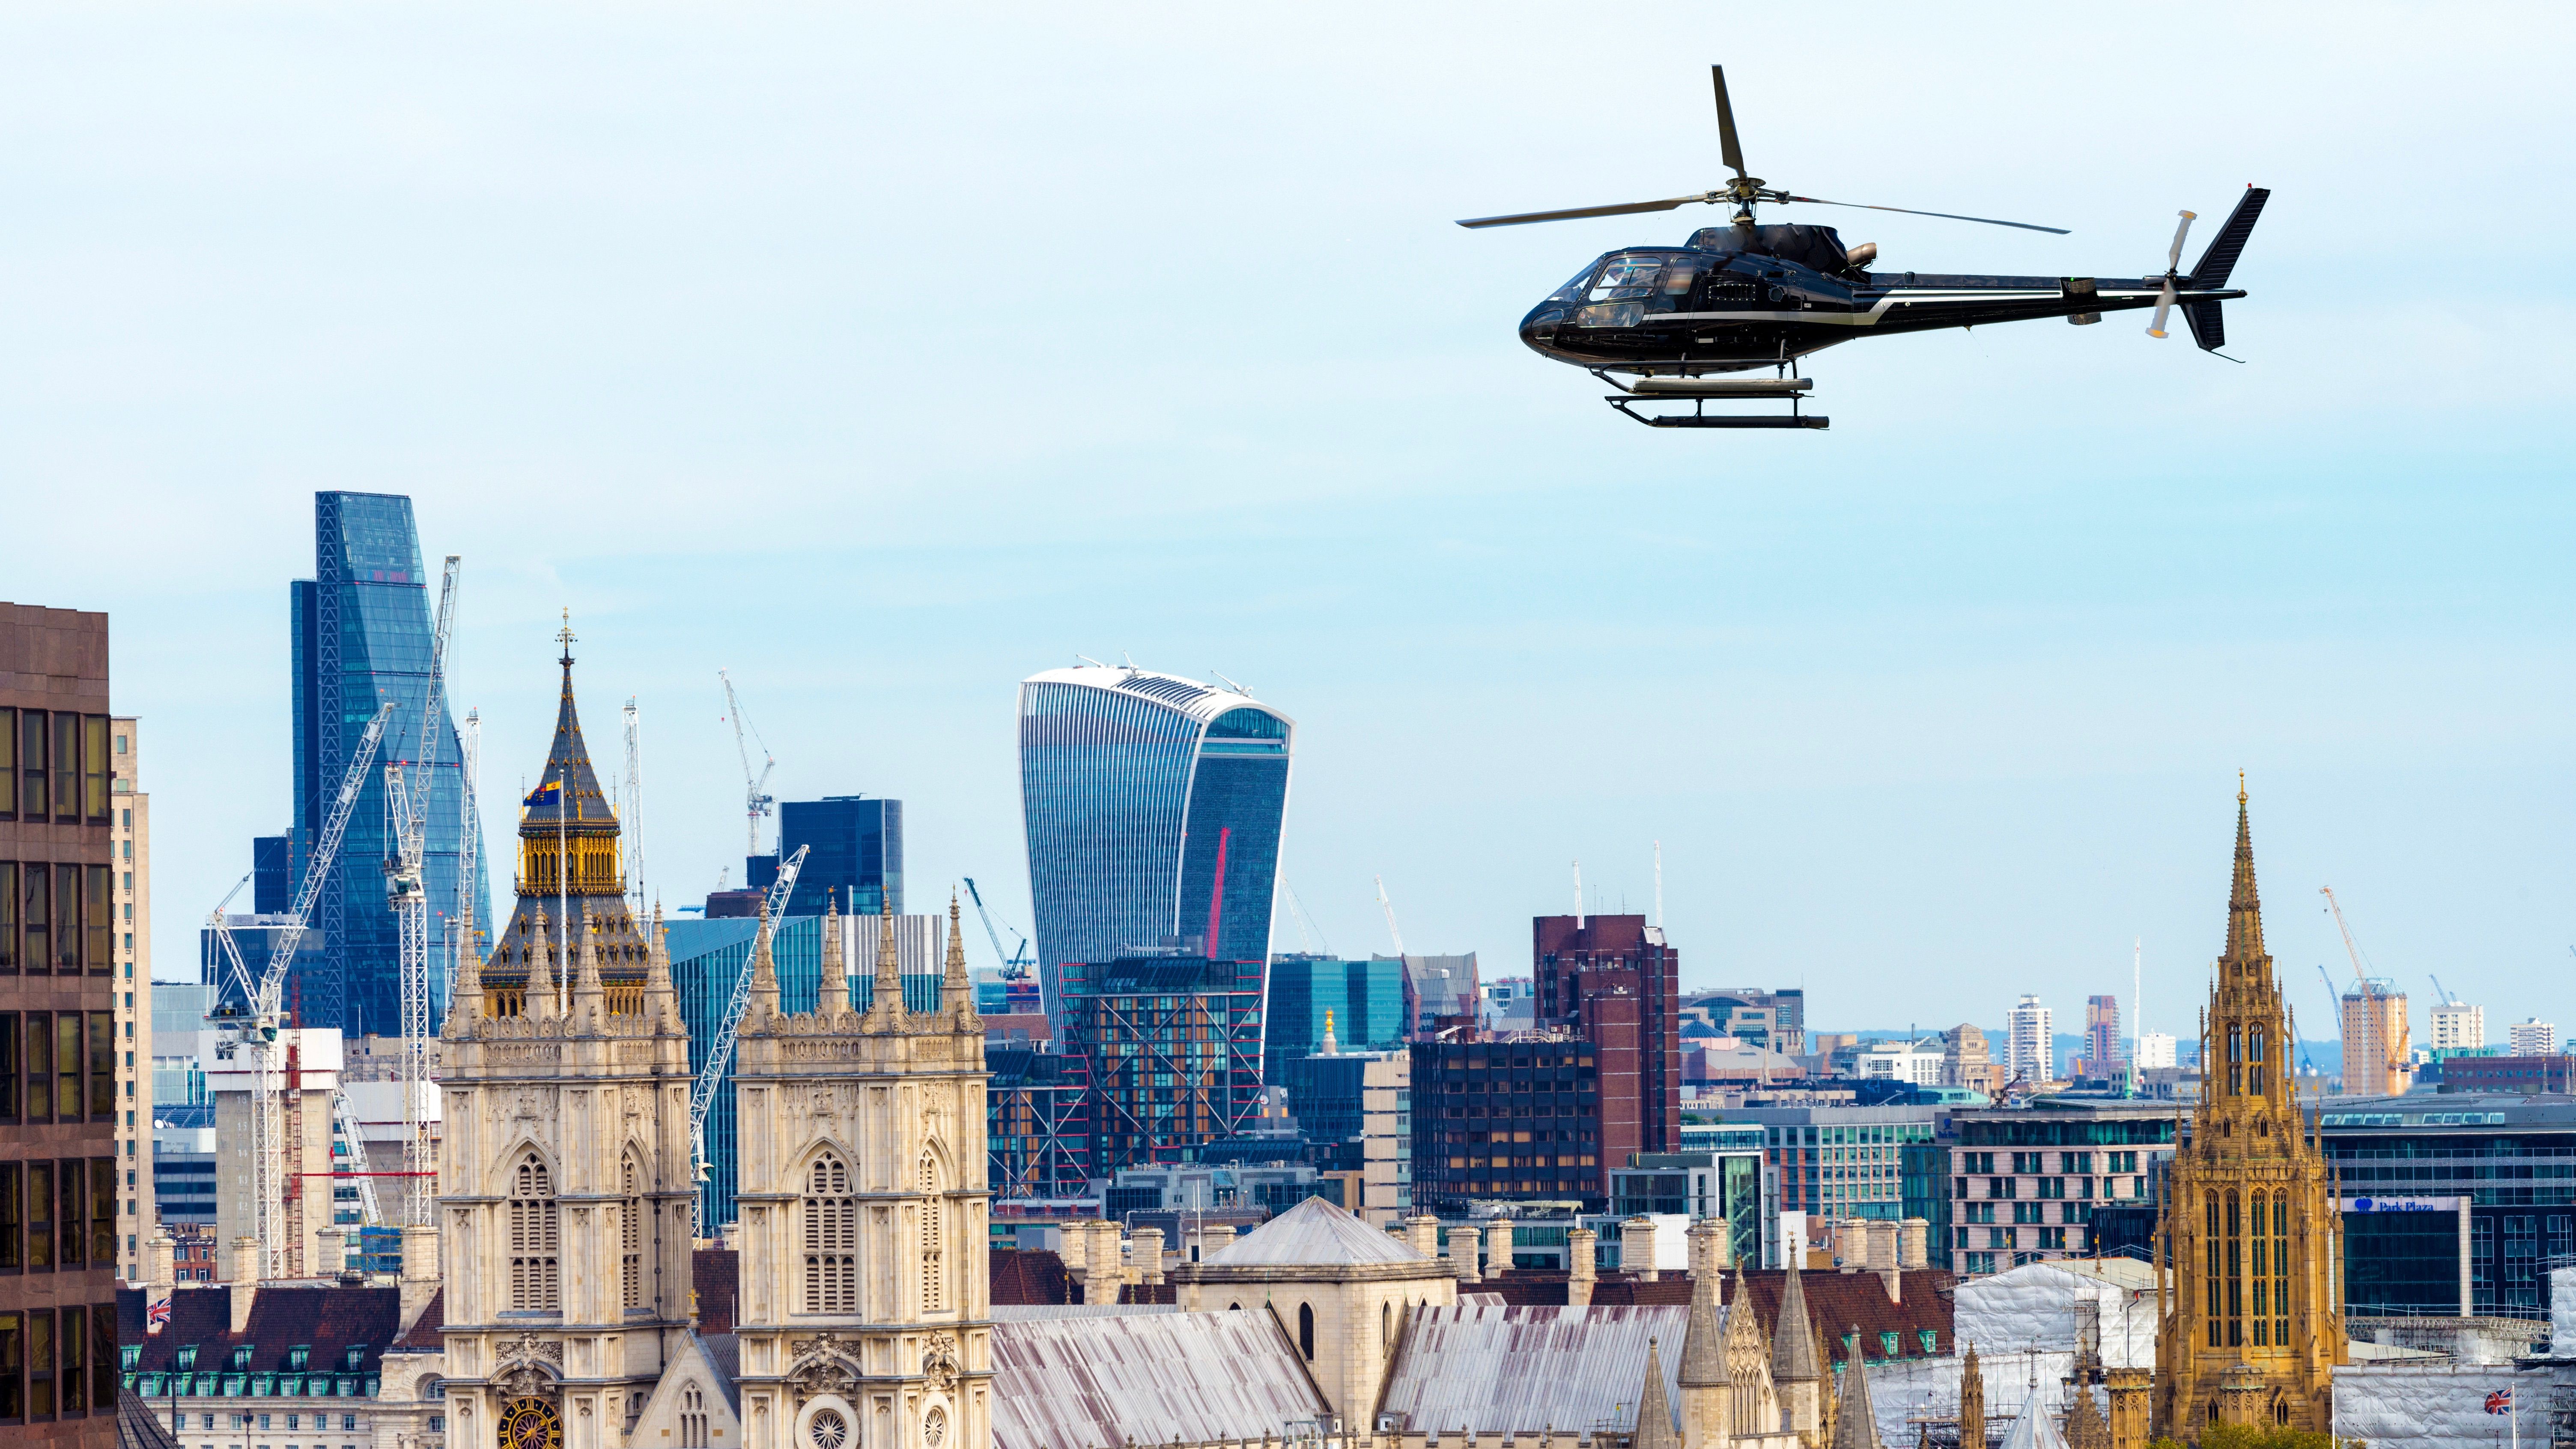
point(61, 1183)
point(1615, 983)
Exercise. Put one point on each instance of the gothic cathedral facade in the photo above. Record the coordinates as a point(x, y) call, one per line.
point(2249, 1313)
point(567, 1183)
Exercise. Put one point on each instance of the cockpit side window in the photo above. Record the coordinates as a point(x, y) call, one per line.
point(1624, 278)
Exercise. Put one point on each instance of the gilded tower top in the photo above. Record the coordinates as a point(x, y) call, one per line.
point(571, 884)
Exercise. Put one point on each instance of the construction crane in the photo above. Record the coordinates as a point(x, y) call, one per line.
point(344, 1118)
point(2439, 994)
point(756, 798)
point(408, 791)
point(720, 1051)
point(469, 843)
point(253, 1021)
point(2395, 1051)
point(633, 824)
point(1015, 964)
point(1389, 907)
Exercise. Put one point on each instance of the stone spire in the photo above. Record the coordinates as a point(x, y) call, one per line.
point(1703, 1360)
point(832, 997)
point(466, 1007)
point(885, 993)
point(1972, 1401)
point(1793, 1344)
point(956, 991)
point(661, 997)
point(1855, 1427)
point(764, 972)
point(2244, 907)
point(1743, 1358)
point(589, 998)
point(1654, 1411)
point(541, 971)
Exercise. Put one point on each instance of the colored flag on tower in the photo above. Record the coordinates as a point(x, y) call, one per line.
point(545, 794)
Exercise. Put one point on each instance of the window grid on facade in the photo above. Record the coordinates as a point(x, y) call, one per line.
point(831, 1239)
point(535, 1271)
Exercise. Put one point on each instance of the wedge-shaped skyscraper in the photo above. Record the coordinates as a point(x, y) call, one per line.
point(1153, 808)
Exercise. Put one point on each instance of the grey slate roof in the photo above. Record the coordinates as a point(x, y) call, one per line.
point(1314, 1231)
point(1146, 1378)
point(1529, 1369)
point(1033, 1312)
point(2035, 1428)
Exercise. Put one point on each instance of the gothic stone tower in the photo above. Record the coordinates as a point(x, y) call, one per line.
point(564, 1188)
point(864, 1314)
point(2249, 1326)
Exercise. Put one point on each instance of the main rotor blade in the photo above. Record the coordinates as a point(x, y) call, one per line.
point(1727, 149)
point(1944, 215)
point(1574, 213)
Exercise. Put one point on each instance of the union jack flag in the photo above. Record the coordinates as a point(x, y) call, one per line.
point(156, 1317)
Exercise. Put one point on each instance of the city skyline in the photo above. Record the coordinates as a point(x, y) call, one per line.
point(1955, 664)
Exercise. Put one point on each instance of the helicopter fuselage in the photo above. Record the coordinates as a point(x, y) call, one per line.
point(1683, 311)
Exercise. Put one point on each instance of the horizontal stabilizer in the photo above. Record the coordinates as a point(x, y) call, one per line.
point(2210, 272)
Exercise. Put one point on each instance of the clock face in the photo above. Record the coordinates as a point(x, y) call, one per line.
point(531, 1424)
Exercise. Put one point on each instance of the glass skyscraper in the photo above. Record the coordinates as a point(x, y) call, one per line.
point(1153, 807)
point(362, 636)
point(854, 855)
point(1366, 999)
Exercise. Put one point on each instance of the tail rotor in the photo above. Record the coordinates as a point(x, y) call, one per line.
point(2173, 265)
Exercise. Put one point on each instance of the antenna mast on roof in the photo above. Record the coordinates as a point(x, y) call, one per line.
point(1578, 894)
point(1659, 885)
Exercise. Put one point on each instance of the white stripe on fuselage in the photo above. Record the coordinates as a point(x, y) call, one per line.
point(1911, 297)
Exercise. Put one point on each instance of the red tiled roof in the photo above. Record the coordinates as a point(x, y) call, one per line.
point(1028, 1278)
point(424, 1330)
point(715, 1275)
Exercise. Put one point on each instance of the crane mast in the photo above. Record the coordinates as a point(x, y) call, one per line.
point(1389, 907)
point(720, 1051)
point(408, 792)
point(256, 1020)
point(756, 799)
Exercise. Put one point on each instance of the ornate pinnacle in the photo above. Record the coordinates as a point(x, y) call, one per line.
point(954, 984)
point(541, 971)
point(764, 971)
point(885, 998)
point(832, 998)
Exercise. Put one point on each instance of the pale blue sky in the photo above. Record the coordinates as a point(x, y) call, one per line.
point(887, 359)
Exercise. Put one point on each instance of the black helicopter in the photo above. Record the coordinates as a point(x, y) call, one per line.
point(1741, 297)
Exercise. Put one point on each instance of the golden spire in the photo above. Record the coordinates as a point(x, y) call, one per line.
point(2244, 906)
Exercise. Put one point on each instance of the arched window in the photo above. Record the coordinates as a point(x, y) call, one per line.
point(2235, 1215)
point(831, 1238)
point(1306, 1330)
point(693, 1418)
point(630, 1227)
point(2210, 1299)
point(1385, 1327)
point(934, 1270)
point(2261, 1246)
point(2281, 1268)
point(535, 1274)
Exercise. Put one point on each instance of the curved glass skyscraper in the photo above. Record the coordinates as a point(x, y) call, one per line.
point(1153, 806)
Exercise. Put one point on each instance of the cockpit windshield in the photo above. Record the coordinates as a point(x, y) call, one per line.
point(1573, 289)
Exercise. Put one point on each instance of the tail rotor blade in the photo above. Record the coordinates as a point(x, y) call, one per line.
point(1727, 149)
point(2173, 259)
point(2164, 304)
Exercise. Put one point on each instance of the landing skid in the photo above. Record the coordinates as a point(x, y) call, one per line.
point(1699, 392)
